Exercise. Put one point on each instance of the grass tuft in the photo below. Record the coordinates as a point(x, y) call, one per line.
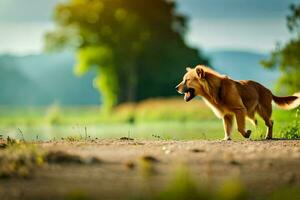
point(19, 160)
point(293, 130)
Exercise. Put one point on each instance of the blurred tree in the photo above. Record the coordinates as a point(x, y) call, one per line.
point(137, 47)
point(287, 58)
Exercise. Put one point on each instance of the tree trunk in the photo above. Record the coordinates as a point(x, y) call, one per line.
point(128, 85)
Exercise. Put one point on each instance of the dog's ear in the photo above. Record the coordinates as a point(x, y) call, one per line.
point(200, 72)
point(188, 69)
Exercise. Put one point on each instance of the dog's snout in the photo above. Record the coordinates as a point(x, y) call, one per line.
point(179, 88)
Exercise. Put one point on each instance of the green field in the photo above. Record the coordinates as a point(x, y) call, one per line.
point(157, 118)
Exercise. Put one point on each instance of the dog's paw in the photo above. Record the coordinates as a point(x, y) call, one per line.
point(247, 134)
point(227, 139)
point(269, 138)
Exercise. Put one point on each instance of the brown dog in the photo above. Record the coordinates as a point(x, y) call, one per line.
point(229, 98)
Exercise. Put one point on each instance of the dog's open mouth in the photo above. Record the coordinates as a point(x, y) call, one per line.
point(189, 94)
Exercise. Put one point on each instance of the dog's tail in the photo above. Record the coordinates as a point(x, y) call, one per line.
point(288, 102)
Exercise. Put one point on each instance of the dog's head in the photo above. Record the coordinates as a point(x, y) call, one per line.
point(191, 83)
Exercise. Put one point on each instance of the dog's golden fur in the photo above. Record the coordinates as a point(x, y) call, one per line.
point(231, 99)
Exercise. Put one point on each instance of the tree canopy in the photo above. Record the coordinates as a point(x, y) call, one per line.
point(287, 57)
point(137, 47)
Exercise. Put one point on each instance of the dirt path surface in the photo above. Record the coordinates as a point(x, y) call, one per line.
point(131, 168)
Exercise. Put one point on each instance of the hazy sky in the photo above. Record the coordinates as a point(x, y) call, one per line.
point(254, 25)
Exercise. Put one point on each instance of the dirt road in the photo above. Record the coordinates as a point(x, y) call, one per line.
point(127, 169)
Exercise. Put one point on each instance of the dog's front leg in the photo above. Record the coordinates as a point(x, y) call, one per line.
point(227, 123)
point(240, 115)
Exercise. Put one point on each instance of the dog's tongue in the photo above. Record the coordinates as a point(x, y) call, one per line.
point(187, 95)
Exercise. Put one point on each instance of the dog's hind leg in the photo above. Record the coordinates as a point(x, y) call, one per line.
point(252, 119)
point(240, 115)
point(227, 122)
point(266, 112)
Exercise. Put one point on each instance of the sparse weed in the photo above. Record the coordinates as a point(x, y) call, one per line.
point(157, 137)
point(19, 159)
point(73, 139)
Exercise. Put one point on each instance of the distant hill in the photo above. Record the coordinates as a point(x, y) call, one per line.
point(243, 66)
point(42, 80)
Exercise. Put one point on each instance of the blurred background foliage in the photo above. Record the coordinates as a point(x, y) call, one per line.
point(137, 48)
point(286, 57)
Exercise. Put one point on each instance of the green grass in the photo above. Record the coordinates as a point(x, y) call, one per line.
point(150, 119)
point(292, 131)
